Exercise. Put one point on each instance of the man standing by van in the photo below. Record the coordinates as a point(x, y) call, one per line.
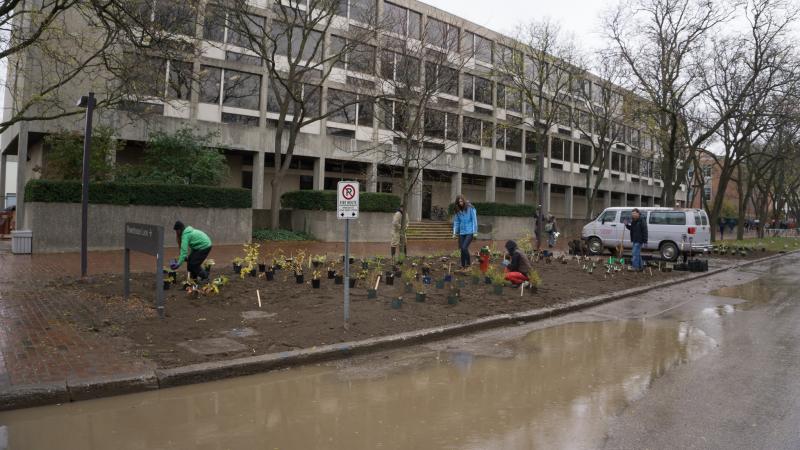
point(638, 229)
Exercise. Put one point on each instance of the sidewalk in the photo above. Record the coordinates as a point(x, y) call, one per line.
point(39, 338)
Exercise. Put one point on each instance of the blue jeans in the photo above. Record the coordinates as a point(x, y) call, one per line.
point(636, 260)
point(463, 243)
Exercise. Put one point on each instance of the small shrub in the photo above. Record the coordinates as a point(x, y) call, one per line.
point(499, 209)
point(326, 201)
point(281, 235)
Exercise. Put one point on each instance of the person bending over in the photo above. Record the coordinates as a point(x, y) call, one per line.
point(195, 247)
point(518, 265)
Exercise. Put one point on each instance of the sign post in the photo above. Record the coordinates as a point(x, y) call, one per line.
point(146, 239)
point(347, 210)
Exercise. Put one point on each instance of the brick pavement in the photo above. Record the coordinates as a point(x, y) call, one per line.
point(39, 337)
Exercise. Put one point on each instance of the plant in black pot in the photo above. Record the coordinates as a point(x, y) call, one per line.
point(338, 279)
point(498, 279)
point(420, 295)
point(409, 276)
point(315, 281)
point(269, 274)
point(208, 265)
point(453, 296)
point(237, 265)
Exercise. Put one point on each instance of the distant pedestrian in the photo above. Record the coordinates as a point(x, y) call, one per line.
point(195, 247)
point(638, 229)
point(517, 264)
point(536, 230)
point(551, 228)
point(397, 227)
point(465, 227)
point(721, 228)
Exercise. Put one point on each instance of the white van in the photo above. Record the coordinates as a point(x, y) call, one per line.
point(669, 230)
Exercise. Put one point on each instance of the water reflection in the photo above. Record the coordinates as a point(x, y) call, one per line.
point(558, 390)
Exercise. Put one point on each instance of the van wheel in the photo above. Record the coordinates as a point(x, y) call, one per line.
point(669, 251)
point(595, 246)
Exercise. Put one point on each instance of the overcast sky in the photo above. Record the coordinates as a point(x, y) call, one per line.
point(579, 17)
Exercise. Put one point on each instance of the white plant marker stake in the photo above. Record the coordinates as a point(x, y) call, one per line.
point(377, 282)
point(258, 294)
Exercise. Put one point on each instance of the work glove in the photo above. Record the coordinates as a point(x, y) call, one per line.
point(173, 264)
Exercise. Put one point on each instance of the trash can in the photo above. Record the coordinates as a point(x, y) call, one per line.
point(21, 242)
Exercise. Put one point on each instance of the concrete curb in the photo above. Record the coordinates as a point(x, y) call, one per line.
point(25, 396)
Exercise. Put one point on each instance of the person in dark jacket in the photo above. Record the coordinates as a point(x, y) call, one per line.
point(638, 229)
point(518, 266)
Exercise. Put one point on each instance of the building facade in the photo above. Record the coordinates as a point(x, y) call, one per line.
point(233, 97)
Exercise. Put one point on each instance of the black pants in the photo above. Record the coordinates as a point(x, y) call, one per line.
point(195, 263)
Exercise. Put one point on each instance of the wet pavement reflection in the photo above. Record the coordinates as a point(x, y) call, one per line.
point(554, 388)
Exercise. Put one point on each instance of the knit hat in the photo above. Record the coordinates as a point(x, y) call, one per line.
point(178, 226)
point(510, 246)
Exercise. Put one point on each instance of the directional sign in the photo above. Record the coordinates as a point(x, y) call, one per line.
point(347, 200)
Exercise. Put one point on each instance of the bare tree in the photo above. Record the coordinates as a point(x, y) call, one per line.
point(597, 114)
point(539, 63)
point(53, 46)
point(290, 38)
point(417, 105)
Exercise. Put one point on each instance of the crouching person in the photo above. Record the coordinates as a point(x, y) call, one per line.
point(518, 265)
point(198, 243)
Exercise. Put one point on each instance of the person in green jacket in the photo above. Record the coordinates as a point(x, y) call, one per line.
point(195, 247)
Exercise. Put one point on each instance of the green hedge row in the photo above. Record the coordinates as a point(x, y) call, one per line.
point(192, 196)
point(326, 201)
point(500, 209)
point(281, 235)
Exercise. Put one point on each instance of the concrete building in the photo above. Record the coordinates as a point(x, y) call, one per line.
point(500, 169)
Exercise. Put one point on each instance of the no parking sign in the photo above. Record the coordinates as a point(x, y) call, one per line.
point(347, 200)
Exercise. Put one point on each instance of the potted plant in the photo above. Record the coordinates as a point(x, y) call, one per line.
point(535, 281)
point(318, 261)
point(453, 296)
point(338, 279)
point(498, 279)
point(208, 265)
point(409, 276)
point(420, 297)
point(397, 302)
point(331, 271)
point(168, 278)
point(315, 282)
point(389, 278)
point(270, 274)
point(237, 265)
point(440, 284)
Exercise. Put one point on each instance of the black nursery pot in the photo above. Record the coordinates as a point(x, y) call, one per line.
point(298, 279)
point(315, 283)
point(173, 274)
point(253, 272)
point(331, 274)
point(353, 282)
point(364, 265)
point(270, 275)
point(338, 279)
point(167, 284)
point(426, 271)
point(316, 264)
point(262, 268)
point(237, 268)
point(390, 280)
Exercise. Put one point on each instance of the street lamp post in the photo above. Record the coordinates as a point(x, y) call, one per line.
point(88, 102)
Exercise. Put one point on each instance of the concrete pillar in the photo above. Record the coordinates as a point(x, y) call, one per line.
point(415, 206)
point(638, 202)
point(455, 185)
point(607, 199)
point(258, 180)
point(22, 169)
point(319, 173)
point(491, 189)
point(546, 201)
point(372, 177)
point(569, 201)
point(2, 179)
point(624, 199)
point(519, 192)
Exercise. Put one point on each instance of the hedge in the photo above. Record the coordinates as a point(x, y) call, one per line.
point(326, 201)
point(191, 196)
point(281, 235)
point(500, 209)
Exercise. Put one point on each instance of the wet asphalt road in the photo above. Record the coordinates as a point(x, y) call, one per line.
point(743, 395)
point(709, 364)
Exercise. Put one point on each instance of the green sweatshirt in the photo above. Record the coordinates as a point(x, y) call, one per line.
point(192, 239)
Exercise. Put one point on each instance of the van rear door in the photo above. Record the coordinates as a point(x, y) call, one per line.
point(703, 234)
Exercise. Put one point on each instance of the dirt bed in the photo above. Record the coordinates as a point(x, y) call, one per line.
point(297, 316)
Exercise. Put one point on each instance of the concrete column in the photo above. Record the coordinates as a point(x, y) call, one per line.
point(638, 202)
point(2, 179)
point(546, 200)
point(608, 199)
point(415, 208)
point(22, 169)
point(455, 185)
point(569, 201)
point(319, 173)
point(372, 177)
point(258, 180)
point(491, 188)
point(624, 199)
point(519, 192)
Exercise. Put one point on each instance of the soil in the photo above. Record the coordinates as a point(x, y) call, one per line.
point(298, 316)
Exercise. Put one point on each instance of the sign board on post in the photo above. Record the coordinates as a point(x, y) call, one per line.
point(147, 239)
point(347, 209)
point(347, 200)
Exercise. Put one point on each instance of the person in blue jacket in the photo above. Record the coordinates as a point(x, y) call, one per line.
point(465, 227)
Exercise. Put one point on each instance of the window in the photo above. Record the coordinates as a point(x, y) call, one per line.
point(366, 110)
point(241, 90)
point(402, 20)
point(385, 187)
point(469, 88)
point(359, 10)
point(239, 119)
point(584, 154)
point(400, 68)
point(242, 58)
point(441, 34)
point(360, 58)
point(617, 161)
point(530, 142)
point(707, 171)
point(214, 24)
point(435, 123)
point(245, 29)
point(483, 90)
point(342, 106)
point(306, 182)
point(707, 193)
point(441, 79)
point(557, 149)
point(483, 49)
point(288, 42)
point(175, 17)
point(179, 83)
point(210, 84)
point(608, 216)
point(667, 218)
point(471, 131)
point(626, 216)
point(310, 95)
point(514, 139)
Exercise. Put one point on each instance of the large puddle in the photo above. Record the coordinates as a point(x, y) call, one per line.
point(555, 388)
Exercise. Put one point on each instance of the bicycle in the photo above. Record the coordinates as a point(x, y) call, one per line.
point(438, 213)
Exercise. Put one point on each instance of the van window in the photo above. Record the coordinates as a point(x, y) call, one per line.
point(697, 220)
point(668, 218)
point(608, 216)
point(704, 218)
point(625, 216)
